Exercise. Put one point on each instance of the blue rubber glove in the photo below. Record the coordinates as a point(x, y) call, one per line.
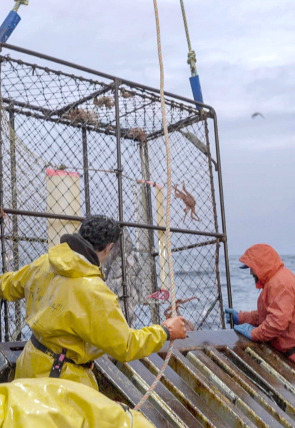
point(244, 329)
point(234, 313)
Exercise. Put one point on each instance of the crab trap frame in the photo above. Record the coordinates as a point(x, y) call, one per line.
point(74, 142)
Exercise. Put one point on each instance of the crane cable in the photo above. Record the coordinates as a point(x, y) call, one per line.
point(168, 206)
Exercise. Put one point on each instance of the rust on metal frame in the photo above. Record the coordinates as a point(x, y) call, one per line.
point(214, 379)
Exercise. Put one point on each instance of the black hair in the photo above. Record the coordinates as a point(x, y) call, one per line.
point(100, 231)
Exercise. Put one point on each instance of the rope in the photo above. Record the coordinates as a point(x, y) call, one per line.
point(192, 59)
point(168, 208)
point(185, 25)
point(18, 3)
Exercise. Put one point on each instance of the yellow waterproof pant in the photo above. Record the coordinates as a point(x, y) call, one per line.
point(60, 403)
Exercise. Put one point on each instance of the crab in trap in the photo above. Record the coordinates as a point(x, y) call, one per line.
point(188, 199)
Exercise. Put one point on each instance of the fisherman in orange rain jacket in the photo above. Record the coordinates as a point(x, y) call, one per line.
point(274, 319)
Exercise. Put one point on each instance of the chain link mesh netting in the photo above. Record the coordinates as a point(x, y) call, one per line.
point(71, 146)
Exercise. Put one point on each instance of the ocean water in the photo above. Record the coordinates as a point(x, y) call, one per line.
point(244, 292)
point(191, 279)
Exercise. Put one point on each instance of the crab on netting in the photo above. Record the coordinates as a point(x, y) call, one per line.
point(188, 199)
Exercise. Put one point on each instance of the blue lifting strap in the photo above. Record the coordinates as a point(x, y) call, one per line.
point(196, 89)
point(9, 25)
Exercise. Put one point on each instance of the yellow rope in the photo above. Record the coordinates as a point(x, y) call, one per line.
point(18, 3)
point(192, 59)
point(185, 25)
point(168, 209)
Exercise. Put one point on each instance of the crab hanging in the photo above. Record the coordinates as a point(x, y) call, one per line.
point(78, 115)
point(108, 102)
point(138, 134)
point(188, 199)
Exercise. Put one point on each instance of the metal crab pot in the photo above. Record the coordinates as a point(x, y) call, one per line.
point(73, 142)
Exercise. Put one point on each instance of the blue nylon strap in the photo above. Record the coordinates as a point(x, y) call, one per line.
point(8, 26)
point(196, 88)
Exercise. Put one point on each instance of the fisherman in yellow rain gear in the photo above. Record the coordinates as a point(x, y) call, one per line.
point(56, 403)
point(74, 317)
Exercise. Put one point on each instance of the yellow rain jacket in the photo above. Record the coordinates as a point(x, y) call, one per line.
point(55, 403)
point(68, 305)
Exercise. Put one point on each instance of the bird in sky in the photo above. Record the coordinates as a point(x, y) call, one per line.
point(257, 114)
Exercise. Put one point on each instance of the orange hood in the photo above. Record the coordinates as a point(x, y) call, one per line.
point(263, 260)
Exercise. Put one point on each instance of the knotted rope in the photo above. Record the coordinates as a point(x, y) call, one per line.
point(192, 59)
point(18, 3)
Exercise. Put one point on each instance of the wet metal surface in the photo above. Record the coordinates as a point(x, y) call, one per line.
point(214, 379)
point(218, 379)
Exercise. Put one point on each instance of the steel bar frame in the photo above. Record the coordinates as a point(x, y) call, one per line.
point(198, 115)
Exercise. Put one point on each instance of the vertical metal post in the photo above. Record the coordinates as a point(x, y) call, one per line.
point(14, 217)
point(2, 228)
point(86, 171)
point(215, 224)
point(120, 200)
point(227, 270)
point(147, 207)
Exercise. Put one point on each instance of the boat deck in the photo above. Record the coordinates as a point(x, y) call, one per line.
point(214, 379)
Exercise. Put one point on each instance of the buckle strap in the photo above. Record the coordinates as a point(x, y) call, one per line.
point(58, 364)
point(38, 345)
point(59, 359)
point(290, 351)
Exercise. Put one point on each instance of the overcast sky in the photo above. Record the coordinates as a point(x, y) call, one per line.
point(246, 62)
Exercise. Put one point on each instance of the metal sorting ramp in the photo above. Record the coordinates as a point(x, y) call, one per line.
point(214, 379)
